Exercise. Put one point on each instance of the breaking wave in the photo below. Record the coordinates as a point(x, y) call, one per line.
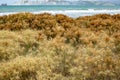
point(72, 13)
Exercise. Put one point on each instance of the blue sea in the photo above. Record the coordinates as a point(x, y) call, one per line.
point(70, 10)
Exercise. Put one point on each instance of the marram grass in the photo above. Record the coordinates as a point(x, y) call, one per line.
point(57, 47)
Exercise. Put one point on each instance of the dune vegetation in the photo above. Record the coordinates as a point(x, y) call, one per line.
point(58, 47)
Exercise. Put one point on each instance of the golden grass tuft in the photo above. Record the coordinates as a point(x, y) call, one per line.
point(58, 47)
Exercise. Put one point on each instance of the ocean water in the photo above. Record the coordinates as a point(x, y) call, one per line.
point(70, 10)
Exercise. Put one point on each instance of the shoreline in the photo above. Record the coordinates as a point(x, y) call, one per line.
point(70, 13)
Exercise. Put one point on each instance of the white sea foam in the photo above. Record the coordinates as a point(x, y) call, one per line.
point(7, 13)
point(73, 13)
